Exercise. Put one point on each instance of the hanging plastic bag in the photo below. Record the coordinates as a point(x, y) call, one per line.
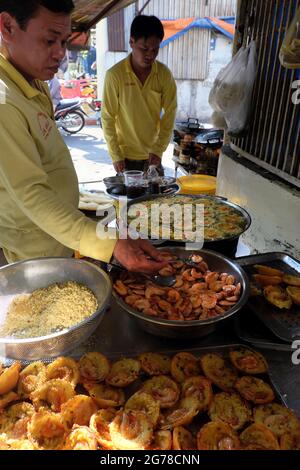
point(231, 94)
point(289, 54)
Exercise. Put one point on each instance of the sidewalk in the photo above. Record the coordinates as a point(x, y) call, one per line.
point(91, 158)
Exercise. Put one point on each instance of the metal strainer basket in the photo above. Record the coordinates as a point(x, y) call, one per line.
point(27, 276)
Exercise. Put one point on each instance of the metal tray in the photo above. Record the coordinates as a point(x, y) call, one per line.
point(285, 324)
point(250, 329)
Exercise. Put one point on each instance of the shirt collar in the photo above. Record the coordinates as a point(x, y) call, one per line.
point(130, 69)
point(28, 90)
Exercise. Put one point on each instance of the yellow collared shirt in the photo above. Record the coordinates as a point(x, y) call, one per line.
point(138, 119)
point(38, 183)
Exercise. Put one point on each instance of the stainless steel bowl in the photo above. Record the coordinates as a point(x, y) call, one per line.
point(27, 276)
point(195, 328)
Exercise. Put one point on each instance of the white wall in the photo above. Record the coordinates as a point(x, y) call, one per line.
point(193, 94)
point(273, 206)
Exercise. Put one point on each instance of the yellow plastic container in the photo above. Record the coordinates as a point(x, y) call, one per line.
point(198, 184)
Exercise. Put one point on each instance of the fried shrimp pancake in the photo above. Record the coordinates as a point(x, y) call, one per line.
point(47, 430)
point(99, 424)
point(9, 378)
point(163, 389)
point(94, 367)
point(230, 408)
point(215, 368)
point(162, 440)
point(105, 396)
point(184, 365)
point(182, 414)
point(123, 372)
point(247, 361)
point(52, 394)
point(258, 437)
point(78, 410)
point(64, 368)
point(131, 430)
point(154, 363)
point(217, 436)
point(200, 388)
point(81, 438)
point(15, 419)
point(183, 439)
point(255, 390)
point(30, 378)
point(277, 418)
point(142, 401)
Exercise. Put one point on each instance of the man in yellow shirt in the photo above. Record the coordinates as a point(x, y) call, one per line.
point(139, 101)
point(39, 194)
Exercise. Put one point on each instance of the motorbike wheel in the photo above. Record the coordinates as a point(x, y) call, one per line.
point(73, 122)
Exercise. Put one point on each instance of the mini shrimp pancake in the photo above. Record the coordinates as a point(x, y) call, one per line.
point(142, 401)
point(199, 388)
point(258, 437)
point(183, 439)
point(123, 372)
point(131, 430)
point(230, 408)
point(81, 438)
point(78, 410)
point(154, 363)
point(94, 367)
point(52, 394)
point(162, 440)
point(47, 430)
point(255, 390)
point(15, 419)
point(277, 418)
point(184, 365)
point(182, 414)
point(217, 436)
point(31, 378)
point(105, 396)
point(64, 368)
point(247, 361)
point(7, 399)
point(215, 368)
point(290, 441)
point(163, 389)
point(9, 378)
point(99, 424)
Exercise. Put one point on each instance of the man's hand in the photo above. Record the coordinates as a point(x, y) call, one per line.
point(119, 166)
point(134, 256)
point(154, 159)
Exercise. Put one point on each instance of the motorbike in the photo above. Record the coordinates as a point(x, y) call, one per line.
point(70, 116)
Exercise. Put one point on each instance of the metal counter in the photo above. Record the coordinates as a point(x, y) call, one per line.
point(118, 334)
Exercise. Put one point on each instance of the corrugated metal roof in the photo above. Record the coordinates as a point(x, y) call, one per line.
point(88, 12)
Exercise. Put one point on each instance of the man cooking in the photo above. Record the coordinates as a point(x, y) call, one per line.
point(139, 101)
point(38, 184)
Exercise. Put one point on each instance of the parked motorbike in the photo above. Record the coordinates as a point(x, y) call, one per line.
point(70, 116)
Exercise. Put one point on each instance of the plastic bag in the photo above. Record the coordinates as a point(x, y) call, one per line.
point(232, 90)
point(289, 54)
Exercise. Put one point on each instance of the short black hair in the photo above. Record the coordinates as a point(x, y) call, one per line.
point(24, 10)
point(144, 26)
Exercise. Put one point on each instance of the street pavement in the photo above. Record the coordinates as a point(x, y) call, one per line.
point(91, 158)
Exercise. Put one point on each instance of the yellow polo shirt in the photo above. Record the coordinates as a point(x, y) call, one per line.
point(39, 195)
point(131, 114)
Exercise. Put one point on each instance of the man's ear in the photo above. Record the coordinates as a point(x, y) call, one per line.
point(8, 26)
point(131, 42)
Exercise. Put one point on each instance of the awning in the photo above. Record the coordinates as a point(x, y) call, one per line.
point(176, 28)
point(87, 13)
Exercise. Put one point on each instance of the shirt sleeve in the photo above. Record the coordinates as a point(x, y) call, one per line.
point(109, 112)
point(23, 177)
point(169, 105)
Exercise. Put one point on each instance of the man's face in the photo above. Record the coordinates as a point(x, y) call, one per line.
point(37, 51)
point(144, 51)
